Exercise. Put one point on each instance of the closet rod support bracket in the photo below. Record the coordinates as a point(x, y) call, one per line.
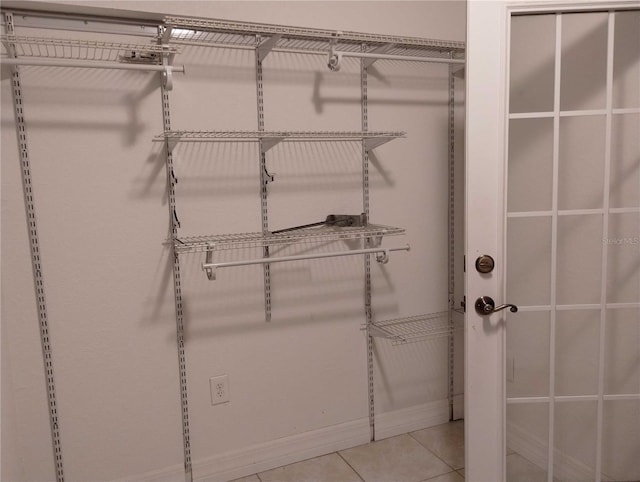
point(210, 269)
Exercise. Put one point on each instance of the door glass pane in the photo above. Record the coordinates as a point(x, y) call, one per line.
point(528, 354)
point(530, 165)
point(529, 258)
point(577, 347)
point(575, 441)
point(581, 162)
point(532, 63)
point(623, 258)
point(622, 352)
point(584, 331)
point(626, 60)
point(621, 440)
point(584, 61)
point(527, 442)
point(625, 161)
point(579, 259)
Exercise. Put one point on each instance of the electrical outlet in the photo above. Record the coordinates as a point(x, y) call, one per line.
point(219, 389)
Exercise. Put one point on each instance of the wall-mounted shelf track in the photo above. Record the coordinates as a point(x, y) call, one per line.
point(271, 138)
point(415, 328)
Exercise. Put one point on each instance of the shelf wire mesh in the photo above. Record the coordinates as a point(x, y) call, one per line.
point(283, 135)
point(416, 328)
point(52, 48)
point(193, 244)
point(243, 34)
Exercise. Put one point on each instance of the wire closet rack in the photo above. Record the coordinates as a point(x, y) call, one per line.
point(167, 38)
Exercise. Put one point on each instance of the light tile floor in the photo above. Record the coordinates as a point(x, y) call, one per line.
point(434, 454)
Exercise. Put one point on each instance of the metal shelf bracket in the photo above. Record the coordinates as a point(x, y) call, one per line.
point(267, 45)
point(379, 50)
point(171, 143)
point(373, 142)
point(165, 36)
point(271, 142)
point(373, 242)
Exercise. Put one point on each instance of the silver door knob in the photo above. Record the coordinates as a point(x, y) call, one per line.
point(485, 306)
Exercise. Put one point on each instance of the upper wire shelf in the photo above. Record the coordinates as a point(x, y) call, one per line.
point(223, 33)
point(416, 328)
point(52, 48)
point(194, 244)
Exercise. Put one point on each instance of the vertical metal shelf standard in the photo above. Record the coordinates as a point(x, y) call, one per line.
point(34, 244)
point(174, 224)
point(364, 111)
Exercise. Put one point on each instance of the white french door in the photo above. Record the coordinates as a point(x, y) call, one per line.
point(552, 392)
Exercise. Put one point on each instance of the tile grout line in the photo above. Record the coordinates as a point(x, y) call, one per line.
point(434, 454)
point(446, 473)
point(350, 466)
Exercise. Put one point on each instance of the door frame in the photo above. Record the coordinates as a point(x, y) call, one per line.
point(487, 91)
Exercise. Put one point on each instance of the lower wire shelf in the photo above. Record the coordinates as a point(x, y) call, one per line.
point(416, 328)
point(194, 244)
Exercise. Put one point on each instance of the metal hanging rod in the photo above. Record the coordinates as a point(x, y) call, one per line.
point(412, 58)
point(334, 61)
point(90, 64)
point(211, 267)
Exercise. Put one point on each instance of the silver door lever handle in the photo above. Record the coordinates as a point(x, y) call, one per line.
point(485, 306)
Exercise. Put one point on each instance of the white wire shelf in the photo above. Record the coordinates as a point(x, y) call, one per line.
point(271, 138)
point(52, 48)
point(415, 328)
point(194, 244)
point(282, 135)
point(225, 33)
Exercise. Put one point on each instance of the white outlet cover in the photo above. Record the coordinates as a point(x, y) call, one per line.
point(219, 387)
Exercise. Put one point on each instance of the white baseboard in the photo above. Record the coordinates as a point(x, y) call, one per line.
point(283, 451)
point(458, 406)
point(411, 419)
point(287, 450)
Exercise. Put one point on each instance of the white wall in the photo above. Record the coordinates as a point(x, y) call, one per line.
point(99, 191)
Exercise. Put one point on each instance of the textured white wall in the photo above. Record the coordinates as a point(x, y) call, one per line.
point(99, 190)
